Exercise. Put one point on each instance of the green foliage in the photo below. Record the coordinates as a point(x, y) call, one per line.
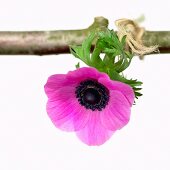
point(116, 58)
point(77, 65)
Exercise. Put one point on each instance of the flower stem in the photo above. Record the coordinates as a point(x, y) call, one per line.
point(57, 42)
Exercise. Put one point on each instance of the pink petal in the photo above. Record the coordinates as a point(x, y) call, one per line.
point(65, 111)
point(94, 133)
point(85, 73)
point(125, 89)
point(56, 82)
point(117, 113)
point(72, 78)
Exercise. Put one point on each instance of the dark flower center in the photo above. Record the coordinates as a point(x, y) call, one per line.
point(92, 95)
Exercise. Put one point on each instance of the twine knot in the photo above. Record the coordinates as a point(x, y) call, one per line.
point(133, 33)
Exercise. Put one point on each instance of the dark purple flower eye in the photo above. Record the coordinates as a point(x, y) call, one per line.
point(92, 95)
point(88, 102)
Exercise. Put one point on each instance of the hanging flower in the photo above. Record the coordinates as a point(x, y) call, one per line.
point(88, 102)
point(94, 101)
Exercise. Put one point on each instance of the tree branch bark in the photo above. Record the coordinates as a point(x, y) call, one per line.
point(57, 42)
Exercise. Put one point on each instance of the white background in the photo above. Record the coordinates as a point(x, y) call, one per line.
point(28, 139)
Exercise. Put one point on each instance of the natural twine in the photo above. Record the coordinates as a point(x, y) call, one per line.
point(134, 33)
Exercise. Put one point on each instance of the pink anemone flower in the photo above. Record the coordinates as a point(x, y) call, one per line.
point(88, 102)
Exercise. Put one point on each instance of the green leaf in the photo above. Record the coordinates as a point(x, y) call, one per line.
point(86, 46)
point(77, 52)
point(123, 40)
point(77, 65)
point(95, 58)
point(115, 61)
point(133, 83)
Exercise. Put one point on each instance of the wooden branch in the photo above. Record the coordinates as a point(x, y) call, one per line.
point(161, 38)
point(57, 42)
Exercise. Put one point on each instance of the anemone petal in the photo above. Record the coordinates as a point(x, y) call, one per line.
point(94, 133)
point(117, 114)
point(85, 73)
point(65, 111)
point(56, 82)
point(125, 89)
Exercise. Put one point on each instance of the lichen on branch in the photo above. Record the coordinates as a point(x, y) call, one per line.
point(57, 42)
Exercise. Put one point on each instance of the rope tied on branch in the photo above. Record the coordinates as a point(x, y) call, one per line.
point(134, 34)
